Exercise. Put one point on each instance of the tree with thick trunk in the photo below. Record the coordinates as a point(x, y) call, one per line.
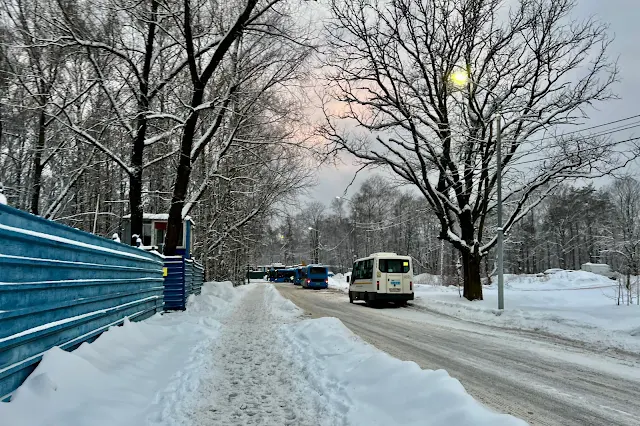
point(391, 69)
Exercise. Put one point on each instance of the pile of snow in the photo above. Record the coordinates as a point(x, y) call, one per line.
point(578, 305)
point(129, 373)
point(284, 308)
point(339, 282)
point(360, 379)
point(425, 278)
point(216, 298)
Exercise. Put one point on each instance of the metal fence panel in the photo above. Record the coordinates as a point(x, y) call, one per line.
point(60, 287)
point(175, 297)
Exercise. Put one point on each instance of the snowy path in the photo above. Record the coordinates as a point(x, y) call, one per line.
point(544, 381)
point(251, 383)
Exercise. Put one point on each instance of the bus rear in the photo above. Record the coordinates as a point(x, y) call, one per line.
point(382, 277)
point(317, 277)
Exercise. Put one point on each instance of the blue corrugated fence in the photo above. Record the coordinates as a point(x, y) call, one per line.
point(60, 287)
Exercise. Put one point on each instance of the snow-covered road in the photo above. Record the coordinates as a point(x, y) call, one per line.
point(546, 381)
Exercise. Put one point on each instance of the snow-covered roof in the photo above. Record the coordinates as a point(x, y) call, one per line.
point(157, 216)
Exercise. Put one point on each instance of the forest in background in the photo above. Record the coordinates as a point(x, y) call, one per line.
point(200, 108)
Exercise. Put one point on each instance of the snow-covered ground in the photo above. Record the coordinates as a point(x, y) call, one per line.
point(339, 282)
point(577, 305)
point(238, 356)
point(372, 388)
point(129, 373)
point(573, 304)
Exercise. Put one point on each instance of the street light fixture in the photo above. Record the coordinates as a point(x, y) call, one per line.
point(462, 78)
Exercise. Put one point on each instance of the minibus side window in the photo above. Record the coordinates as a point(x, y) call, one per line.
point(368, 269)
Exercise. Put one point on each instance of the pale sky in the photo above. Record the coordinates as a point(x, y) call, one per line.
point(623, 16)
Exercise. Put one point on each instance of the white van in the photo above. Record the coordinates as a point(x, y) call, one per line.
point(382, 277)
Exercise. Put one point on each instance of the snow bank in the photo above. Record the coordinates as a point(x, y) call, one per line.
point(216, 298)
point(573, 304)
point(131, 375)
point(339, 282)
point(283, 308)
point(373, 388)
point(427, 279)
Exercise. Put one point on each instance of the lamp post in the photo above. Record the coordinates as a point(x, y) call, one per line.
point(462, 78)
point(316, 245)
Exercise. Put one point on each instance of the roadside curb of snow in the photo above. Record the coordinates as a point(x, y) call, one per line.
point(284, 308)
point(138, 373)
point(352, 374)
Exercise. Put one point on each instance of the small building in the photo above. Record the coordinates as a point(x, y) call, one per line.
point(154, 228)
point(183, 275)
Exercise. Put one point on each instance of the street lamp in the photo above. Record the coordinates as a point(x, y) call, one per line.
point(316, 246)
point(462, 78)
point(459, 78)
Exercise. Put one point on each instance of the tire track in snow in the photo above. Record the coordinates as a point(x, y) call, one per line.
point(251, 381)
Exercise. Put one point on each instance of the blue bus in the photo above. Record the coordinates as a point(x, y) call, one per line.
point(317, 277)
point(282, 275)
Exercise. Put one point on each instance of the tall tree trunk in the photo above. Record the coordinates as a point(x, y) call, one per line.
point(135, 178)
point(199, 83)
point(135, 203)
point(37, 164)
point(470, 259)
point(182, 176)
point(137, 154)
point(471, 269)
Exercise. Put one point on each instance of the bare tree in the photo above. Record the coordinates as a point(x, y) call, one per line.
point(391, 64)
point(254, 55)
point(625, 193)
point(36, 68)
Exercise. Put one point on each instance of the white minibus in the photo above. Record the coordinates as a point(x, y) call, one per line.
point(384, 277)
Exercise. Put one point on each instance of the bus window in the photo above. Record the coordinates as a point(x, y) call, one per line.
point(393, 265)
point(368, 269)
point(317, 270)
point(358, 272)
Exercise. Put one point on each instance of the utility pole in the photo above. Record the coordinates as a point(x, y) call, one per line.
point(317, 250)
point(442, 262)
point(316, 244)
point(498, 120)
point(95, 217)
